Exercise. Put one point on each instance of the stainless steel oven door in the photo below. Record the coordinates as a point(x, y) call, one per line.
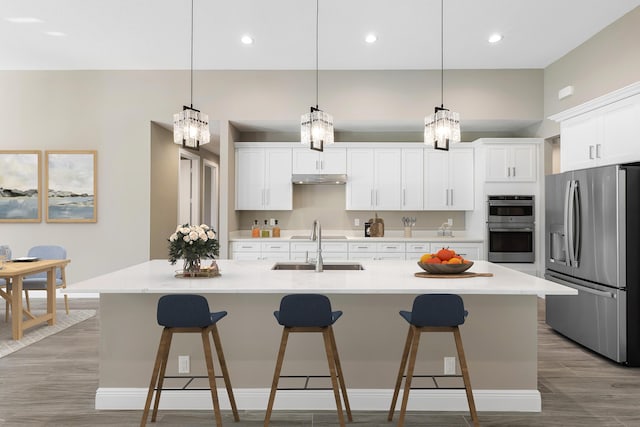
point(511, 243)
point(505, 209)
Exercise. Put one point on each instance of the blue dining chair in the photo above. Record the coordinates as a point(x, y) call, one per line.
point(6, 251)
point(38, 282)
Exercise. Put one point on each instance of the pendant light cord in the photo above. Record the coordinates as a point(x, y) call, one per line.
point(442, 53)
point(317, 32)
point(191, 75)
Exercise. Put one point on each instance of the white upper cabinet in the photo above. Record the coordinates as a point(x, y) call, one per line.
point(603, 136)
point(263, 179)
point(374, 179)
point(330, 161)
point(511, 163)
point(412, 179)
point(448, 179)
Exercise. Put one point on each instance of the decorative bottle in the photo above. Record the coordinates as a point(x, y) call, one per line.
point(265, 230)
point(276, 230)
point(255, 229)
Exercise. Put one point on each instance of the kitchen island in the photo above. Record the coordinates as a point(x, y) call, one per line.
point(500, 334)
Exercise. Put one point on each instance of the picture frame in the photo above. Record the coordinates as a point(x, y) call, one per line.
point(72, 187)
point(20, 186)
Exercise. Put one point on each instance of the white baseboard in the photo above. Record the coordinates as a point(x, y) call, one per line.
point(360, 400)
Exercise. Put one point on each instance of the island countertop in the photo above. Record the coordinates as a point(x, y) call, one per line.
point(257, 277)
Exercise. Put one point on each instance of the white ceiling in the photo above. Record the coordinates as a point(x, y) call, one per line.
point(155, 34)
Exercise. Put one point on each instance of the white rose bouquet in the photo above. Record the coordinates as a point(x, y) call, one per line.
point(193, 242)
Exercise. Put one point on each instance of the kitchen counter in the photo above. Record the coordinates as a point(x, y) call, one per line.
point(499, 335)
point(390, 236)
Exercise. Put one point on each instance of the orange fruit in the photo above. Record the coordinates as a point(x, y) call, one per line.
point(433, 260)
point(445, 254)
point(455, 260)
point(425, 257)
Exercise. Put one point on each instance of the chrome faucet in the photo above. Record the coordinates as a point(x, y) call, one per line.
point(316, 234)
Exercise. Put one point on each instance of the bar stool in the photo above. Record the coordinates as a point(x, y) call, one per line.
point(310, 313)
point(432, 313)
point(188, 313)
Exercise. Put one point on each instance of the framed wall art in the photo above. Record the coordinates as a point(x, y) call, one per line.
point(20, 186)
point(71, 186)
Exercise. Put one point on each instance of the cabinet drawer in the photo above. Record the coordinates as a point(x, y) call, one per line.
point(362, 247)
point(391, 247)
point(421, 248)
point(245, 246)
point(275, 246)
point(334, 247)
point(304, 246)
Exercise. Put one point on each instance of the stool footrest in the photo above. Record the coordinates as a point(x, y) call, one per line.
point(306, 383)
point(433, 378)
point(190, 379)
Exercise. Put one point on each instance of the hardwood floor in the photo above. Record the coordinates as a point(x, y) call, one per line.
point(53, 382)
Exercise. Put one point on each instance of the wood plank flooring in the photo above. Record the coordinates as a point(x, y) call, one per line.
point(53, 383)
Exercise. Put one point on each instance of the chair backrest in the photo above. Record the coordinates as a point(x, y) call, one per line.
point(48, 252)
point(438, 310)
point(183, 311)
point(305, 310)
point(7, 251)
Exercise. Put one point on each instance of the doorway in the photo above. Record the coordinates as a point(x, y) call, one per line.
point(210, 197)
point(189, 188)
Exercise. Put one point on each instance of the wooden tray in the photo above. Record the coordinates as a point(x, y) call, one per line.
point(200, 274)
point(462, 275)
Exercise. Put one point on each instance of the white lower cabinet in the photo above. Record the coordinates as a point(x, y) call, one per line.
point(376, 250)
point(416, 249)
point(250, 251)
point(470, 251)
point(331, 251)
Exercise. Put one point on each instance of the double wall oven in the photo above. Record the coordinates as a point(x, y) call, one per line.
point(511, 228)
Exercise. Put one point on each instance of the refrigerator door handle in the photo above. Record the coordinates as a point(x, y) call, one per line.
point(567, 225)
point(582, 288)
point(577, 226)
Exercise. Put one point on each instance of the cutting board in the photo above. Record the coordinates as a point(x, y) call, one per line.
point(462, 275)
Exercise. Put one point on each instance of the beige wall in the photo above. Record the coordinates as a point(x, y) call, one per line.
point(608, 61)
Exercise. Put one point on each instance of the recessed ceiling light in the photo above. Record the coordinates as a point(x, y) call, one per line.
point(371, 38)
point(495, 38)
point(55, 33)
point(24, 20)
point(246, 39)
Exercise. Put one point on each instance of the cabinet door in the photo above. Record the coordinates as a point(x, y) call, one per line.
point(579, 137)
point(461, 180)
point(305, 161)
point(620, 130)
point(278, 187)
point(498, 164)
point(333, 161)
point(523, 162)
point(250, 171)
point(436, 180)
point(388, 177)
point(412, 179)
point(360, 179)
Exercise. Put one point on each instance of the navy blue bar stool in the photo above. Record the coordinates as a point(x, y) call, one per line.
point(432, 313)
point(310, 313)
point(188, 313)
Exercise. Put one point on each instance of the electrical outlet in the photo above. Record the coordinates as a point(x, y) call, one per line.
point(450, 365)
point(356, 222)
point(450, 222)
point(183, 365)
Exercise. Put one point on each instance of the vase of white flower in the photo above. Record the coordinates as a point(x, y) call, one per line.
point(192, 243)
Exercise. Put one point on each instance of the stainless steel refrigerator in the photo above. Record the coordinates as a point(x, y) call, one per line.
point(592, 238)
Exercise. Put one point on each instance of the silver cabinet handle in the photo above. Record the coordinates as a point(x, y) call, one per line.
point(404, 197)
point(591, 152)
point(317, 165)
point(598, 151)
point(514, 171)
point(508, 171)
point(446, 195)
point(377, 198)
point(321, 164)
point(452, 197)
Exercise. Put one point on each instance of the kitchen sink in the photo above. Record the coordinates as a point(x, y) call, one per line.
point(307, 237)
point(312, 266)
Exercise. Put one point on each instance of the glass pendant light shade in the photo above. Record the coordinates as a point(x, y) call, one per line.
point(191, 128)
point(316, 129)
point(441, 128)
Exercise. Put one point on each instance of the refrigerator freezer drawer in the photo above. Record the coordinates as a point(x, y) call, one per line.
point(594, 318)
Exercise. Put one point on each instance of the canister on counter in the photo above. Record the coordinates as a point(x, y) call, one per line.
point(367, 229)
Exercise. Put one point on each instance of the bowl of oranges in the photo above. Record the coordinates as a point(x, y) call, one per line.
point(445, 261)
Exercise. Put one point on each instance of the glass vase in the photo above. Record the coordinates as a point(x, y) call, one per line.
point(191, 266)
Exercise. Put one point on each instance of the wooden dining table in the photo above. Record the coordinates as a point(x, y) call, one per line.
point(14, 272)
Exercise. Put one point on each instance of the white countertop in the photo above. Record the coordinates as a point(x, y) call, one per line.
point(351, 236)
point(378, 277)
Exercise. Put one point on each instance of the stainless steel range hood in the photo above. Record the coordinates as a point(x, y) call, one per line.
point(319, 178)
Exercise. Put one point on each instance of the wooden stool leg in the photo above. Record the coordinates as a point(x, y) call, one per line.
point(154, 377)
point(403, 365)
point(465, 376)
point(225, 371)
point(276, 375)
point(332, 372)
point(208, 357)
point(66, 301)
point(163, 370)
point(341, 380)
point(410, 368)
point(26, 297)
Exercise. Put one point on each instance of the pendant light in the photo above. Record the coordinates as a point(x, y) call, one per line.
point(443, 126)
point(316, 126)
point(191, 126)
